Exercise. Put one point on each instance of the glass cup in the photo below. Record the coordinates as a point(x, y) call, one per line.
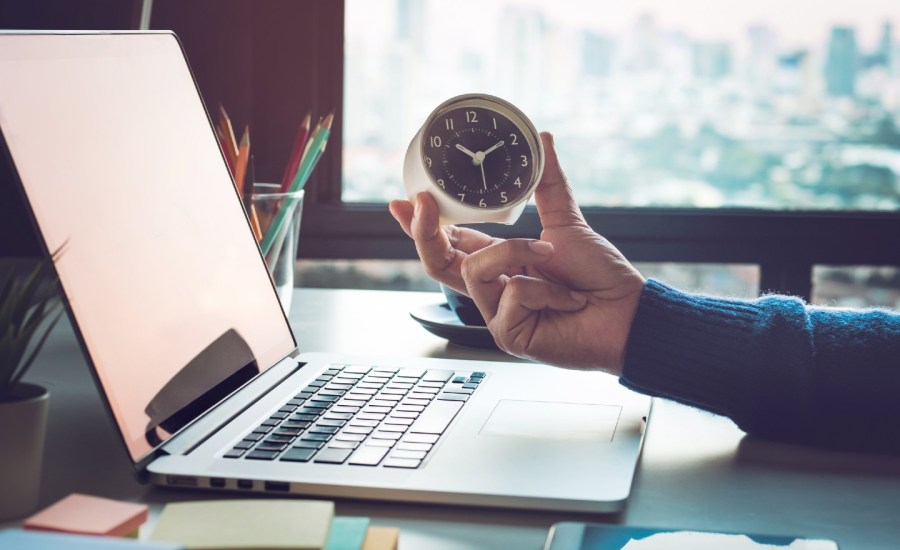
point(275, 218)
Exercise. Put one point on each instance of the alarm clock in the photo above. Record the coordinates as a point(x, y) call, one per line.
point(478, 156)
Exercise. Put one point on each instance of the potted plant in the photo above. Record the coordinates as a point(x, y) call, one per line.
point(29, 309)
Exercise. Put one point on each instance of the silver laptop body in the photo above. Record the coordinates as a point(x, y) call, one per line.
point(178, 318)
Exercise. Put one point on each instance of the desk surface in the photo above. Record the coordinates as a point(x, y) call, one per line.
point(697, 470)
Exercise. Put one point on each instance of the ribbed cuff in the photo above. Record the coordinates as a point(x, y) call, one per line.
point(717, 354)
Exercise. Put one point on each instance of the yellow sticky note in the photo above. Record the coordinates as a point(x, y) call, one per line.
point(246, 523)
point(381, 538)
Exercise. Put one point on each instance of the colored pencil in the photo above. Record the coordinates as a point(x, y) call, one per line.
point(243, 157)
point(300, 141)
point(229, 142)
point(317, 142)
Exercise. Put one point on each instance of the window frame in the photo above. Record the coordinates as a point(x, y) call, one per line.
point(785, 244)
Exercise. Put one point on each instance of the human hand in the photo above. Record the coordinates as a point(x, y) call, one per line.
point(567, 299)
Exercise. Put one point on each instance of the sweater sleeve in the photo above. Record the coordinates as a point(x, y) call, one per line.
point(777, 367)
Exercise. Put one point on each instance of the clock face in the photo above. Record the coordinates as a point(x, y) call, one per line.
point(479, 157)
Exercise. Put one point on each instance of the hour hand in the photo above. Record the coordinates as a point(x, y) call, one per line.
point(493, 148)
point(464, 150)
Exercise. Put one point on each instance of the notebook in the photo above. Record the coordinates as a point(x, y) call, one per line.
point(171, 301)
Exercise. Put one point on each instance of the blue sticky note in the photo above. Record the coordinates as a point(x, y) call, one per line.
point(347, 533)
point(36, 540)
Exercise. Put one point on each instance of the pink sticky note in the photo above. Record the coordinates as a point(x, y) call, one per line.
point(89, 515)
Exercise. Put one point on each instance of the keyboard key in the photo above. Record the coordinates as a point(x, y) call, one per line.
point(287, 409)
point(368, 455)
point(271, 422)
point(331, 422)
point(459, 379)
point(333, 456)
point(381, 442)
point(478, 375)
point(266, 446)
point(338, 387)
point(401, 463)
point(453, 389)
point(288, 432)
point(370, 416)
point(426, 389)
point(409, 408)
point(345, 436)
point(418, 402)
point(278, 416)
point(295, 424)
point(414, 455)
point(303, 417)
point(343, 409)
point(325, 398)
point(253, 437)
point(396, 428)
point(309, 409)
point(243, 445)
point(315, 437)
point(369, 385)
point(411, 373)
point(382, 403)
point(309, 444)
point(399, 420)
point(358, 430)
point(431, 384)
point(420, 396)
point(358, 403)
point(322, 403)
point(453, 397)
point(436, 418)
point(389, 397)
point(404, 414)
point(400, 385)
point(276, 438)
point(356, 369)
point(237, 453)
point(470, 386)
point(327, 391)
point(343, 444)
point(332, 415)
point(377, 410)
point(382, 434)
point(407, 446)
point(262, 455)
point(332, 371)
point(394, 391)
point(438, 375)
point(420, 438)
point(317, 429)
point(366, 423)
point(298, 454)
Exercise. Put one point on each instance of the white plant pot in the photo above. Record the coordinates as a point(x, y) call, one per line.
point(23, 423)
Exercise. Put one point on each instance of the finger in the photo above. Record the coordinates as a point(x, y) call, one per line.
point(554, 198)
point(440, 259)
point(402, 211)
point(486, 271)
point(526, 295)
point(468, 240)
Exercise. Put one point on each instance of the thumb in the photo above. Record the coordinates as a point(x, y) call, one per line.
point(555, 202)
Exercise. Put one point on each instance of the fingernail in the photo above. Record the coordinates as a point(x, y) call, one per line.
point(579, 297)
point(542, 248)
point(417, 207)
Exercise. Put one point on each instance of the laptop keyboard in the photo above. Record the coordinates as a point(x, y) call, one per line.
point(362, 416)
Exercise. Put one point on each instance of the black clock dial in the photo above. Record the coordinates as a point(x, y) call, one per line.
point(478, 157)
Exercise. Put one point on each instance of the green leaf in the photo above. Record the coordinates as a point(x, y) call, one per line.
point(37, 348)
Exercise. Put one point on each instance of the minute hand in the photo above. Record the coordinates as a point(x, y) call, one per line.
point(493, 148)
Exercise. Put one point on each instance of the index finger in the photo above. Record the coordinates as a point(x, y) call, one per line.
point(442, 249)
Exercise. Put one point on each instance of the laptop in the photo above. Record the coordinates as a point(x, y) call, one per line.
point(178, 319)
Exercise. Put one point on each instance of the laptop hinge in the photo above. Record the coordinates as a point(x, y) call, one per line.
point(229, 408)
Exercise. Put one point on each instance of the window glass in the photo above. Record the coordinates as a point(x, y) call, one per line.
point(766, 104)
point(732, 280)
point(856, 286)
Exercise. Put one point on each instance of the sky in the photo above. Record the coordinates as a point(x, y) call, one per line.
point(797, 22)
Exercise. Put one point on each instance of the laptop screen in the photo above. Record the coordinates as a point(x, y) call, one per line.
point(163, 278)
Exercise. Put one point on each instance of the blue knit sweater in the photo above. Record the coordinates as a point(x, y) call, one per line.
point(779, 368)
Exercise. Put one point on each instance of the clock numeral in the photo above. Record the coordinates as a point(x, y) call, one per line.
point(482, 204)
point(428, 161)
point(441, 183)
point(448, 123)
point(471, 116)
point(495, 123)
point(518, 182)
point(435, 141)
point(503, 196)
point(514, 138)
point(462, 197)
point(524, 160)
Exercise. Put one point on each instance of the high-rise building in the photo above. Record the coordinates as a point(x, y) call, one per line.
point(841, 62)
point(596, 54)
point(712, 60)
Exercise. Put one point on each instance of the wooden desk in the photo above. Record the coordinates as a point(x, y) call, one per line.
point(697, 470)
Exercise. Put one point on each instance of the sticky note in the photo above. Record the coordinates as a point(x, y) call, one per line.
point(381, 538)
point(35, 540)
point(246, 523)
point(347, 533)
point(89, 515)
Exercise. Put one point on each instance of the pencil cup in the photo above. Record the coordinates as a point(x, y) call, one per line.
point(276, 220)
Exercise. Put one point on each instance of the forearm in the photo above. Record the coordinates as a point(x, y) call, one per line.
point(777, 367)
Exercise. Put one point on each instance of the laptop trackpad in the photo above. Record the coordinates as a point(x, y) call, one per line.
point(551, 420)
